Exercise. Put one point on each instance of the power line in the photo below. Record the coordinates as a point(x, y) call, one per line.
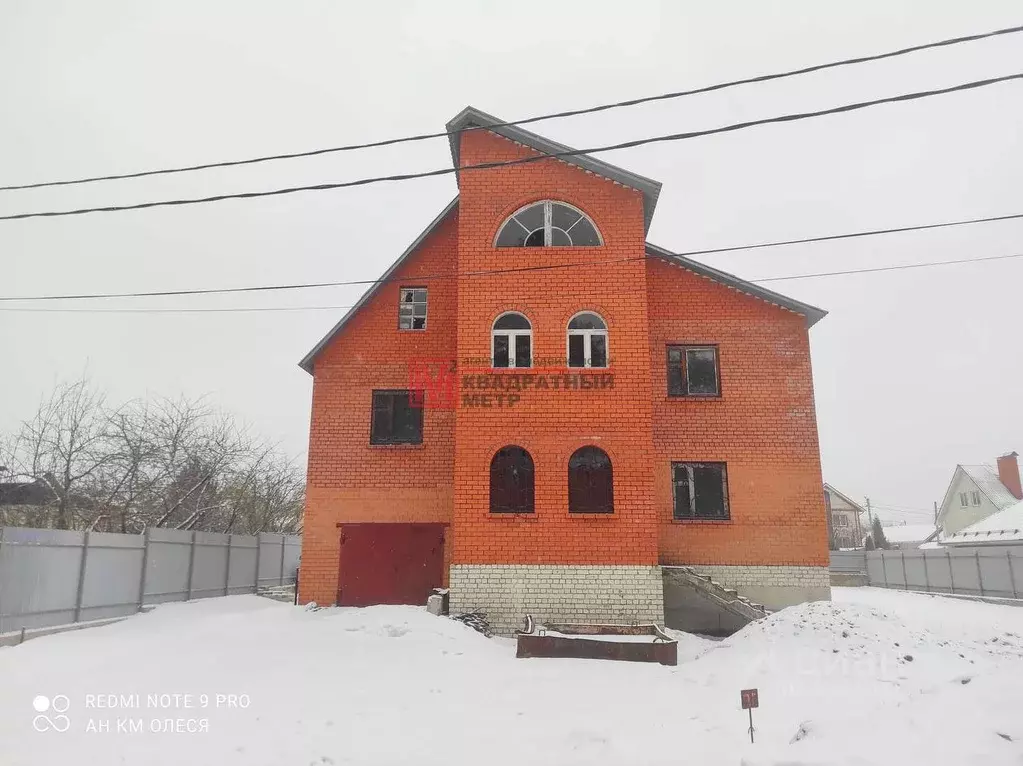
point(900, 267)
point(524, 160)
point(925, 264)
point(529, 120)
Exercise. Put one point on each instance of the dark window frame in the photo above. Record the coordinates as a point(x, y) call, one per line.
point(585, 505)
point(425, 304)
point(684, 369)
point(502, 504)
point(416, 403)
point(693, 514)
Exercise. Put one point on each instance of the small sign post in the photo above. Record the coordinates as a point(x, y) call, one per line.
point(750, 699)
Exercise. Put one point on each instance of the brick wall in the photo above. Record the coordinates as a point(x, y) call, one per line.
point(550, 424)
point(592, 594)
point(349, 479)
point(763, 426)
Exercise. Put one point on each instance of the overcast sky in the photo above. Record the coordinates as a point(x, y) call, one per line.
point(915, 371)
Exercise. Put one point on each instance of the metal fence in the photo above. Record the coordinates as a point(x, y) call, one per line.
point(976, 571)
point(51, 576)
point(995, 571)
point(848, 562)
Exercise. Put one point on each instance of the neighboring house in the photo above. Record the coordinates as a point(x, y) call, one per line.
point(577, 408)
point(846, 515)
point(977, 491)
point(906, 536)
point(26, 492)
point(1002, 528)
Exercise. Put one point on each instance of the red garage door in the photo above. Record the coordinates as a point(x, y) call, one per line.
point(389, 563)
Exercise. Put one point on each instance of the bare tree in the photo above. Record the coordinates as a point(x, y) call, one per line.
point(167, 463)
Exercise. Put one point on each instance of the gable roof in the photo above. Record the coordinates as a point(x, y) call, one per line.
point(470, 117)
point(1003, 526)
point(307, 361)
point(812, 313)
point(853, 503)
point(986, 479)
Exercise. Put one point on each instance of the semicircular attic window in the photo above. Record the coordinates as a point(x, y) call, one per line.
point(548, 224)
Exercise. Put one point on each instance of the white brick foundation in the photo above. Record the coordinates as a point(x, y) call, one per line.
point(558, 593)
point(773, 586)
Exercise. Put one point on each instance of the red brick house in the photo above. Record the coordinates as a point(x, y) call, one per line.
point(538, 409)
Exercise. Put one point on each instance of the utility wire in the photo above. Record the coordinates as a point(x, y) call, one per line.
point(900, 267)
point(684, 254)
point(926, 264)
point(551, 116)
point(526, 160)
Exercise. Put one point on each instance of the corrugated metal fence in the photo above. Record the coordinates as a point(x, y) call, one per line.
point(995, 571)
point(51, 576)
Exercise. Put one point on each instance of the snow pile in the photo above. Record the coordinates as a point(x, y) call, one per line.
point(876, 677)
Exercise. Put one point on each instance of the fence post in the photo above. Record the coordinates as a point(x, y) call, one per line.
point(980, 574)
point(927, 577)
point(81, 577)
point(227, 567)
point(884, 569)
point(1, 586)
point(1008, 558)
point(145, 568)
point(905, 577)
point(951, 577)
point(283, 541)
point(259, 552)
point(191, 566)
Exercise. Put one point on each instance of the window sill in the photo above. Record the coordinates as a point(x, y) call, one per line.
point(710, 522)
point(693, 397)
point(512, 515)
point(591, 515)
point(398, 445)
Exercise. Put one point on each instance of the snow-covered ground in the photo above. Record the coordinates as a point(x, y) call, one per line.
point(873, 677)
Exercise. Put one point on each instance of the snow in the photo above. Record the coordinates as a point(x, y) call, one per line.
point(1002, 526)
point(874, 677)
point(987, 481)
point(908, 533)
point(617, 639)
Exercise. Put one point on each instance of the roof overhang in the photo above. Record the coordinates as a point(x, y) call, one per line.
point(307, 361)
point(470, 118)
point(812, 313)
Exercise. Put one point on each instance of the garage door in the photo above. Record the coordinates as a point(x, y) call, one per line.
point(389, 563)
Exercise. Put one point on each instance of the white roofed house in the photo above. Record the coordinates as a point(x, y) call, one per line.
point(979, 491)
point(906, 536)
point(1002, 528)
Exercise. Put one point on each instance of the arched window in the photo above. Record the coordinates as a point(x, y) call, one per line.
point(511, 481)
point(548, 224)
point(587, 341)
point(511, 341)
point(590, 482)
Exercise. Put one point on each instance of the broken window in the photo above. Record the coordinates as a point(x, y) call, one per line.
point(548, 224)
point(511, 481)
point(693, 371)
point(590, 483)
point(587, 341)
point(397, 417)
point(512, 341)
point(412, 309)
point(701, 490)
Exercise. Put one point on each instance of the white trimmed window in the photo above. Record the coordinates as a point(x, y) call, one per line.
point(412, 308)
point(548, 224)
point(587, 341)
point(511, 341)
